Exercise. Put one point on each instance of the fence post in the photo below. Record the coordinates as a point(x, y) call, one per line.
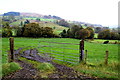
point(85, 56)
point(11, 49)
point(81, 50)
point(106, 58)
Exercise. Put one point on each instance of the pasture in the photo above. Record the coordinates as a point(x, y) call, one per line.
point(67, 53)
point(56, 28)
point(41, 19)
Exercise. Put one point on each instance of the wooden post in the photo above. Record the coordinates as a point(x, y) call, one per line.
point(11, 49)
point(106, 58)
point(81, 50)
point(85, 56)
point(9, 56)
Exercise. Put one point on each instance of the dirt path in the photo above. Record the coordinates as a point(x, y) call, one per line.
point(28, 72)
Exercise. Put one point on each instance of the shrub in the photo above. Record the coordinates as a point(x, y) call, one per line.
point(6, 32)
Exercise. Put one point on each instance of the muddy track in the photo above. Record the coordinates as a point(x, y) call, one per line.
point(28, 72)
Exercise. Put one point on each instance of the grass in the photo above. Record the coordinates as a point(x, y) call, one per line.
point(41, 19)
point(96, 35)
point(99, 70)
point(56, 28)
point(8, 68)
point(16, 23)
point(96, 53)
point(102, 41)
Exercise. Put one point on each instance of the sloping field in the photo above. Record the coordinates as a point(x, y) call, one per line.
point(56, 28)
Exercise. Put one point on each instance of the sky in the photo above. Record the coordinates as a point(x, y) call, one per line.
point(104, 12)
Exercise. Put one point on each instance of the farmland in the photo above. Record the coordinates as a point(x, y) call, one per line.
point(95, 58)
point(56, 28)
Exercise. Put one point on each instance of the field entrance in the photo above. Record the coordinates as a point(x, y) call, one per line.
point(52, 51)
point(60, 51)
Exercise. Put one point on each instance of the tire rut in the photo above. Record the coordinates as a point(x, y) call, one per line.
point(28, 72)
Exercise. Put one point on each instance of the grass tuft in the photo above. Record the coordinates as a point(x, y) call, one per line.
point(9, 68)
point(46, 67)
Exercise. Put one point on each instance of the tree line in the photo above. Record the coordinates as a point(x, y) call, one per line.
point(79, 32)
point(28, 30)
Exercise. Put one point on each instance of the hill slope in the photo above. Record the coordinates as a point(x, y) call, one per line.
point(56, 28)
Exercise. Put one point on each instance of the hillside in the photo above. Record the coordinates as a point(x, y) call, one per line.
point(31, 14)
point(57, 29)
point(42, 16)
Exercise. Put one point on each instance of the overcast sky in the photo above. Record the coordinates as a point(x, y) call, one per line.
point(104, 12)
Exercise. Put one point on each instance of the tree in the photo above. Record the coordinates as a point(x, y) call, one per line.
point(98, 29)
point(63, 34)
point(27, 22)
point(48, 32)
point(62, 22)
point(82, 34)
point(6, 32)
point(74, 29)
point(91, 32)
point(105, 34)
point(35, 30)
point(31, 30)
point(114, 35)
point(69, 33)
point(21, 23)
point(38, 19)
point(19, 31)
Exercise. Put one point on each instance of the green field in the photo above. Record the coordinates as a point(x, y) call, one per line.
point(16, 23)
point(65, 52)
point(102, 41)
point(96, 35)
point(42, 19)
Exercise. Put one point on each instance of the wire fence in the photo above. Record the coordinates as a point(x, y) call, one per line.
point(63, 51)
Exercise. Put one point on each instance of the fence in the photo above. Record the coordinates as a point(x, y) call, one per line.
point(60, 51)
point(66, 52)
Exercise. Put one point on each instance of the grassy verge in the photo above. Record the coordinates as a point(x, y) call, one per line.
point(99, 70)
